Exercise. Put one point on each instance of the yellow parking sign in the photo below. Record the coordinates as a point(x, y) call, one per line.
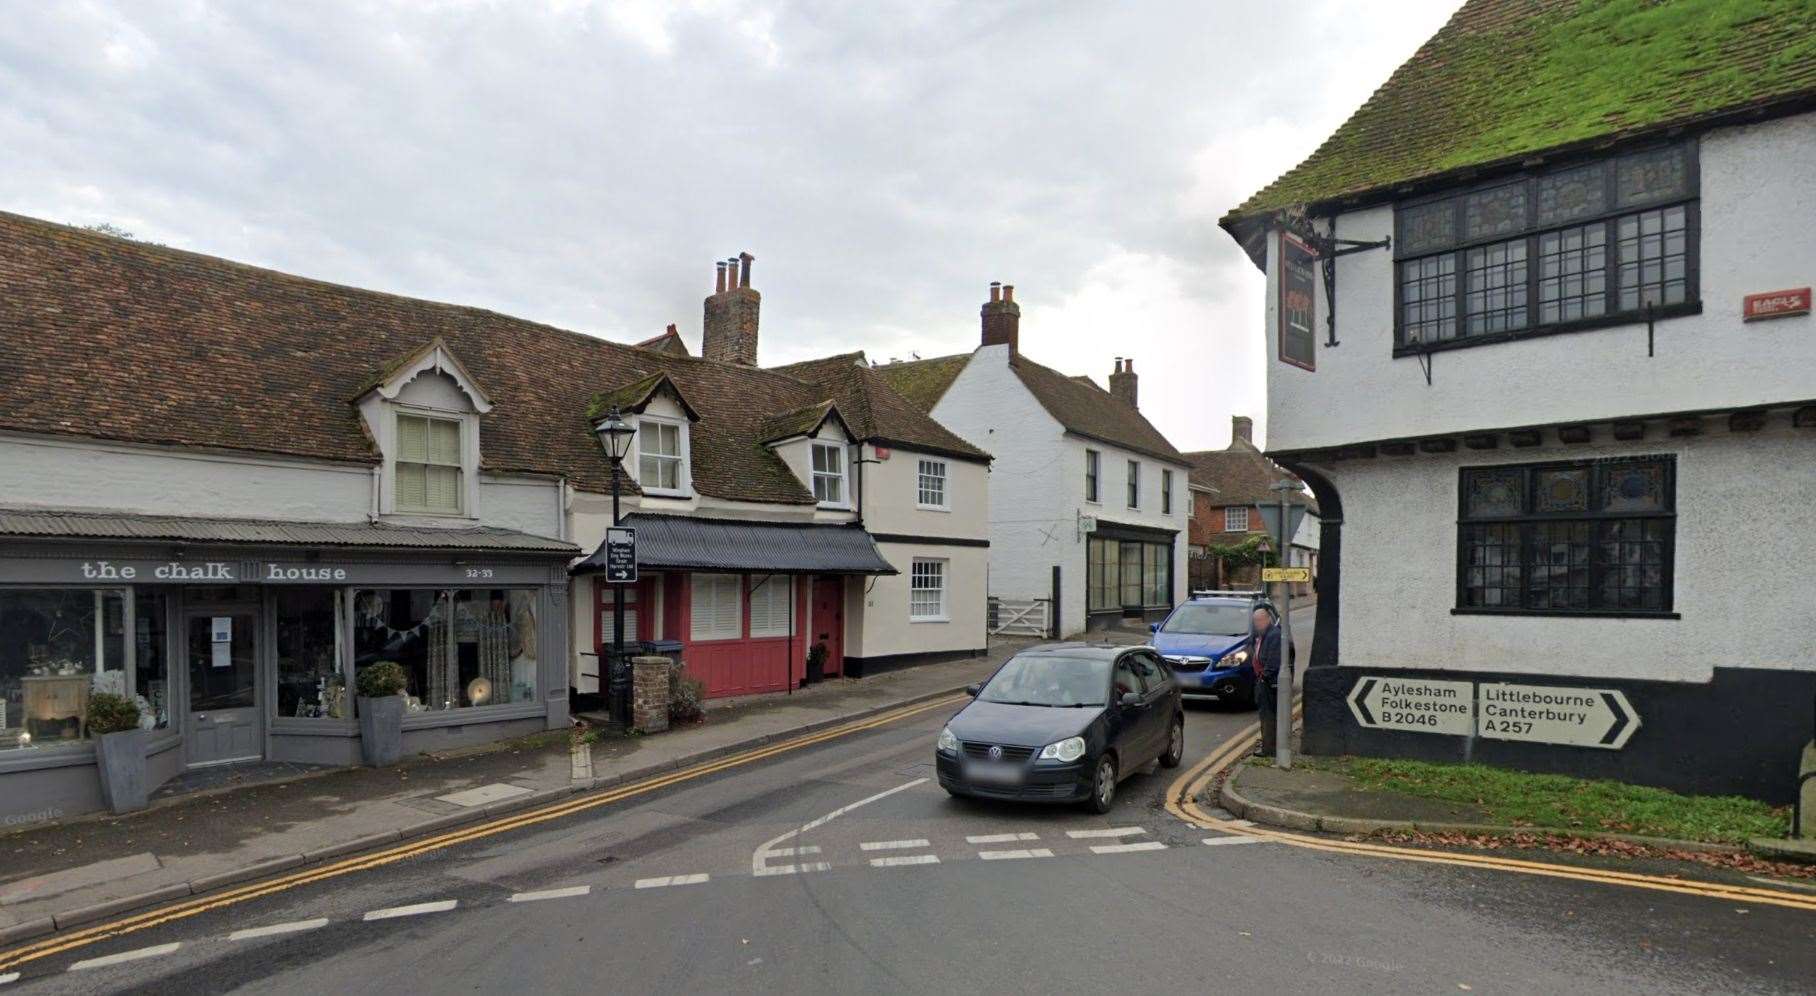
point(1270, 575)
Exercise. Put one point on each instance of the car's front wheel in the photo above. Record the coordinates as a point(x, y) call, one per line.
point(1103, 785)
point(1175, 744)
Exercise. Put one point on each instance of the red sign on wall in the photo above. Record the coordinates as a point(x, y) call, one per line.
point(1775, 304)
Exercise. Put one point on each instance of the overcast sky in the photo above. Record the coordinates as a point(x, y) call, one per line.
point(584, 164)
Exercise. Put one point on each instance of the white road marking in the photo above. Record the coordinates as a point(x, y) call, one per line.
point(1000, 838)
point(806, 866)
point(1241, 823)
point(293, 927)
point(892, 845)
point(1214, 841)
point(1037, 852)
point(1144, 845)
point(905, 859)
point(125, 956)
point(664, 880)
point(9, 977)
point(790, 852)
point(536, 897)
point(1110, 832)
point(418, 909)
point(760, 857)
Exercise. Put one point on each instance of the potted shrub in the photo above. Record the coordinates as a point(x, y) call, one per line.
point(113, 720)
point(816, 663)
point(685, 697)
point(381, 713)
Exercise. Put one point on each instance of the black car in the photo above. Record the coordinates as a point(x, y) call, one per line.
point(1064, 723)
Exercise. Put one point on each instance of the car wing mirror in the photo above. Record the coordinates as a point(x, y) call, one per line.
point(1130, 699)
point(1153, 627)
point(974, 690)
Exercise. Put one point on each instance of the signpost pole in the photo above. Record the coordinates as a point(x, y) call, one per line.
point(1283, 696)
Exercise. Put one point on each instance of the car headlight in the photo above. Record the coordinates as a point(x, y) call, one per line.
point(1239, 657)
point(948, 743)
point(1070, 749)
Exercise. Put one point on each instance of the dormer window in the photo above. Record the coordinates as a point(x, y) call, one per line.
point(428, 465)
point(662, 456)
point(829, 473)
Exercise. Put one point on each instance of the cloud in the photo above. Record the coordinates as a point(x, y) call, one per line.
point(584, 163)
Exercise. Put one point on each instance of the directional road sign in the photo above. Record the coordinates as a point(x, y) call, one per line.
point(621, 555)
point(1414, 704)
point(1271, 574)
point(1575, 717)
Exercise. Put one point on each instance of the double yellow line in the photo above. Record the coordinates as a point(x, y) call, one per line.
point(60, 943)
point(1184, 793)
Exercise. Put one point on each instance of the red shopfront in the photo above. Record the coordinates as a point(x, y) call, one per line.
point(748, 626)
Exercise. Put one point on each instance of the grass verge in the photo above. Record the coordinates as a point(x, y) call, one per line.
point(1560, 802)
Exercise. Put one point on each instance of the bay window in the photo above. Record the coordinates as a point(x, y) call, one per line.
point(1575, 247)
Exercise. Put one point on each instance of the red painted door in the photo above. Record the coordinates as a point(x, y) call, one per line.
point(828, 625)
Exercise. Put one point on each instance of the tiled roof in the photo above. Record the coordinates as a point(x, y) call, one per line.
point(1242, 475)
point(874, 409)
point(924, 382)
point(1088, 410)
point(1076, 402)
point(668, 342)
point(1505, 79)
point(114, 339)
point(803, 421)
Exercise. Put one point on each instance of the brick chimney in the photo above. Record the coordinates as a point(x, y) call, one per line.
point(1122, 381)
point(1242, 430)
point(1002, 318)
point(729, 334)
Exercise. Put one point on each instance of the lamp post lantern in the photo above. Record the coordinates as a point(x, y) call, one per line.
point(616, 434)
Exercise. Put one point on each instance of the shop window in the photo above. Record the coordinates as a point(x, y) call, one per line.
point(1103, 570)
point(459, 648)
point(310, 682)
point(428, 464)
point(60, 646)
point(770, 613)
point(927, 590)
point(1593, 538)
point(829, 473)
point(717, 608)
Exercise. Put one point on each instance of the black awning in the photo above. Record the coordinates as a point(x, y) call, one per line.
point(683, 542)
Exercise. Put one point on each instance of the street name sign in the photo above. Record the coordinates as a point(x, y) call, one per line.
point(1415, 704)
point(621, 555)
point(1272, 574)
point(1575, 717)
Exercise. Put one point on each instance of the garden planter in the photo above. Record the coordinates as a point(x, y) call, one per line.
point(120, 761)
point(381, 729)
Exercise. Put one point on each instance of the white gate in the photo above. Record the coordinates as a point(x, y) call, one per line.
point(1019, 616)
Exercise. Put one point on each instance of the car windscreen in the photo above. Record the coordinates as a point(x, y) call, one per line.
point(1208, 620)
point(1041, 680)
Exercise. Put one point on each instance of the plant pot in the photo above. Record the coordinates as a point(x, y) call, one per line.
point(120, 761)
point(381, 730)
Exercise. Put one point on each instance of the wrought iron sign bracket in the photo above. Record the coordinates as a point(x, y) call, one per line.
point(1329, 247)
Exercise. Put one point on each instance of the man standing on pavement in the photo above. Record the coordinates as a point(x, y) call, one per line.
point(1264, 658)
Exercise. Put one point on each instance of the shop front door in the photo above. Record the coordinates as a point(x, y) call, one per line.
point(223, 723)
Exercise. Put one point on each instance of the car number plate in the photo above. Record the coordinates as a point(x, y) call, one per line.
point(1001, 774)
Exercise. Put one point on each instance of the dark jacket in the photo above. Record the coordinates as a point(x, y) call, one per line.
point(1268, 655)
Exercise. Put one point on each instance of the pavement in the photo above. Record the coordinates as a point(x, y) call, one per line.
point(270, 818)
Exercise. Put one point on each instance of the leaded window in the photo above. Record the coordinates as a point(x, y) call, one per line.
point(1593, 537)
point(1589, 243)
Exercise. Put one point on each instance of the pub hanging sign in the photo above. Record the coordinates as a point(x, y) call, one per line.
point(1298, 307)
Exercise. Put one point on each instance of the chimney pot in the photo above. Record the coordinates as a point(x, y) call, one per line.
point(1123, 383)
point(1002, 318)
point(1242, 428)
point(719, 283)
point(729, 333)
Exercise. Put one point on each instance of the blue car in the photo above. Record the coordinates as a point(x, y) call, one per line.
point(1203, 639)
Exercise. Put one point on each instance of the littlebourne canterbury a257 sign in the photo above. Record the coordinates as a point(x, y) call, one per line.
point(1775, 304)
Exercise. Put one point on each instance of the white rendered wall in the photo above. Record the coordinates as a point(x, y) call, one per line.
point(75, 474)
point(1745, 528)
point(891, 496)
point(1037, 487)
point(886, 629)
point(1758, 201)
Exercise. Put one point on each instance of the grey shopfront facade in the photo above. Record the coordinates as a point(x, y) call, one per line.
point(246, 652)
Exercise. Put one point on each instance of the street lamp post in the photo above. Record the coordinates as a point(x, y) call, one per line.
point(1283, 699)
point(617, 436)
